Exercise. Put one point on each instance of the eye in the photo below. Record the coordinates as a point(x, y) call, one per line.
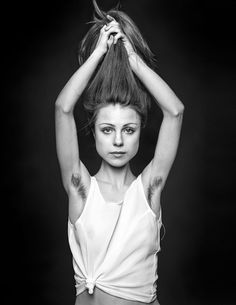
point(107, 130)
point(129, 130)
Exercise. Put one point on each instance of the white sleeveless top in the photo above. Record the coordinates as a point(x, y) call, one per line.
point(114, 245)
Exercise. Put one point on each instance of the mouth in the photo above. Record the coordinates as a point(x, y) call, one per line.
point(117, 154)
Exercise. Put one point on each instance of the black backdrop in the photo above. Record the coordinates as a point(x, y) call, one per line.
point(193, 43)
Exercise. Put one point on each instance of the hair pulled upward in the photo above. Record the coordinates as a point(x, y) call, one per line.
point(113, 81)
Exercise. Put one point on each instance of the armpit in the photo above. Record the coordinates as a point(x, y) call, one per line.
point(156, 183)
point(77, 183)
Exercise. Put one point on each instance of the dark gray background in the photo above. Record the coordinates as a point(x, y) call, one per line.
point(193, 43)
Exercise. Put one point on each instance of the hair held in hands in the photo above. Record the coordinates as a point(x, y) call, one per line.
point(113, 81)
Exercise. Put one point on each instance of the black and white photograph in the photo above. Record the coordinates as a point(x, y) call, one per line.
point(119, 125)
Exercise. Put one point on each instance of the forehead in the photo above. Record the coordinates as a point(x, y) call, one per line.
point(117, 115)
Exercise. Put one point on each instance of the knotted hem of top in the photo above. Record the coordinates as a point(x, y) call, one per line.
point(90, 286)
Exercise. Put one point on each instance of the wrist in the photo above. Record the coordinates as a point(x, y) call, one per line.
point(134, 60)
point(132, 55)
point(98, 53)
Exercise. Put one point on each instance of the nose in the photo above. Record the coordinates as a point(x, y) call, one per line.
point(118, 140)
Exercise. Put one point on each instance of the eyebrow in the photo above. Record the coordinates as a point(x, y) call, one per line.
point(127, 124)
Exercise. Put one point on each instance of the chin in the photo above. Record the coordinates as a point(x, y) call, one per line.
point(117, 163)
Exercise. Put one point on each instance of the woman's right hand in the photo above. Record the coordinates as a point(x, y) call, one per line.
point(105, 38)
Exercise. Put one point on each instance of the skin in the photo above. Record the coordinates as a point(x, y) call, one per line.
point(117, 128)
point(75, 176)
point(114, 175)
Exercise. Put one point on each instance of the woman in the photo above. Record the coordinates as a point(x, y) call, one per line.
point(114, 217)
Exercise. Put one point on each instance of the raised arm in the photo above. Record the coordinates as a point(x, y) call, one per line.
point(66, 135)
point(157, 171)
point(155, 174)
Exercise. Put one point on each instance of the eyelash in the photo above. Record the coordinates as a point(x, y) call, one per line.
point(131, 130)
point(107, 130)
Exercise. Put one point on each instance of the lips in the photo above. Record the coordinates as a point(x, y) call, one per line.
point(118, 154)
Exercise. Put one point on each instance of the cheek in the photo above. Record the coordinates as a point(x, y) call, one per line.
point(101, 142)
point(133, 143)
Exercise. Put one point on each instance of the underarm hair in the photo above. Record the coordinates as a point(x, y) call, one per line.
point(77, 183)
point(153, 186)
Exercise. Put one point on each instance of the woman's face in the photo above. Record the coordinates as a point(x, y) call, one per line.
point(117, 132)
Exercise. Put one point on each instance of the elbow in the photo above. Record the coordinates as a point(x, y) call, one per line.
point(176, 111)
point(59, 106)
point(179, 111)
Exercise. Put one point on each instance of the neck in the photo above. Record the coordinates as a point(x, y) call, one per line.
point(118, 176)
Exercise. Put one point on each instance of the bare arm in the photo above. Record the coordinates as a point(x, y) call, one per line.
point(155, 174)
point(169, 133)
point(66, 134)
point(157, 170)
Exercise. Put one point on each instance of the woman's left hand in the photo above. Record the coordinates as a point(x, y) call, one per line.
point(120, 35)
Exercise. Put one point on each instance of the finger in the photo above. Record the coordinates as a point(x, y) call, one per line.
point(112, 27)
point(112, 30)
point(117, 36)
point(111, 24)
point(103, 28)
point(110, 41)
point(110, 18)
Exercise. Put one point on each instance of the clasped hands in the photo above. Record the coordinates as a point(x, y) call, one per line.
point(105, 39)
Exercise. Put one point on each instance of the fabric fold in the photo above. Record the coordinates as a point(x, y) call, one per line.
point(115, 246)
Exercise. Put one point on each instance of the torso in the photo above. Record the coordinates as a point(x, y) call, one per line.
point(76, 203)
point(100, 297)
point(110, 193)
